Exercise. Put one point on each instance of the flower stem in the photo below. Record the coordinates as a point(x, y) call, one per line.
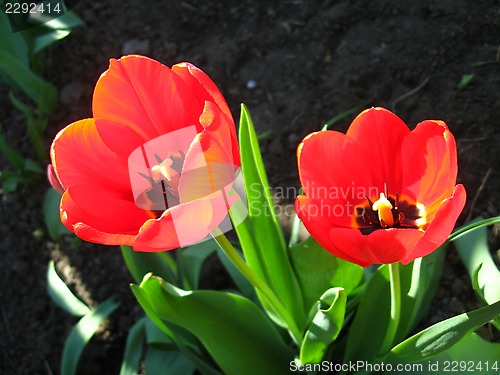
point(258, 283)
point(395, 308)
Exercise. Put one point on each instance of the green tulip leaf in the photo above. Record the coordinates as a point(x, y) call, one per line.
point(318, 270)
point(442, 336)
point(260, 233)
point(171, 362)
point(419, 282)
point(62, 295)
point(140, 264)
point(325, 326)
point(193, 258)
point(485, 276)
point(81, 334)
point(51, 204)
point(244, 286)
point(236, 333)
point(133, 348)
point(21, 77)
point(472, 355)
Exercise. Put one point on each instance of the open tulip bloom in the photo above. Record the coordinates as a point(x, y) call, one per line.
point(160, 167)
point(380, 193)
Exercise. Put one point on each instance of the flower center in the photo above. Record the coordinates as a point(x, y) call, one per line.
point(164, 180)
point(390, 212)
point(384, 208)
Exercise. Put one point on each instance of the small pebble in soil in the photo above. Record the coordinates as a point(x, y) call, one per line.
point(251, 84)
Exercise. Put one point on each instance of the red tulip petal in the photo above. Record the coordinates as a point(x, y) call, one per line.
point(138, 99)
point(319, 229)
point(209, 165)
point(54, 180)
point(79, 156)
point(206, 91)
point(332, 166)
point(183, 225)
point(98, 180)
point(201, 84)
point(379, 133)
point(71, 213)
point(431, 152)
point(442, 225)
point(392, 245)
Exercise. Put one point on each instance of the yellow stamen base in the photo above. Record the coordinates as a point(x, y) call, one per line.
point(384, 210)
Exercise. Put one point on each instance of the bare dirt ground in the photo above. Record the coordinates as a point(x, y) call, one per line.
point(296, 65)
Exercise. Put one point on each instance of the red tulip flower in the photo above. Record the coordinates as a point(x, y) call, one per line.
point(380, 193)
point(154, 167)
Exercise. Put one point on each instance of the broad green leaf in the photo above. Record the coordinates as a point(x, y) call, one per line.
point(317, 270)
point(241, 282)
point(12, 43)
point(473, 355)
point(20, 76)
point(442, 336)
point(66, 21)
point(184, 340)
point(61, 294)
point(485, 276)
point(325, 326)
point(167, 362)
point(234, 330)
point(49, 38)
point(419, 282)
point(156, 338)
point(193, 258)
point(369, 327)
point(133, 348)
point(139, 264)
point(473, 226)
point(51, 215)
point(81, 334)
point(267, 256)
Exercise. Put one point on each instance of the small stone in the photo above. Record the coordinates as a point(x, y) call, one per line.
point(136, 46)
point(251, 84)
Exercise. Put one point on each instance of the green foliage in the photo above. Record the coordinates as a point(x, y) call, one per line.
point(22, 40)
point(419, 281)
point(133, 348)
point(81, 334)
point(62, 295)
point(233, 329)
point(261, 231)
point(485, 276)
point(51, 215)
point(325, 325)
point(317, 271)
point(442, 336)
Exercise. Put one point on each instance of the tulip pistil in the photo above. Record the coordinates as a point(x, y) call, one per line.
point(390, 212)
point(384, 208)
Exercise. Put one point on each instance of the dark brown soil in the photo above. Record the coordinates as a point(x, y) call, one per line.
point(309, 61)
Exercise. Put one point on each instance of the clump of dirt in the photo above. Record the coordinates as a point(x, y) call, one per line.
point(296, 65)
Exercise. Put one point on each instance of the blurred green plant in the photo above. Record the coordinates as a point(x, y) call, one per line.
point(24, 36)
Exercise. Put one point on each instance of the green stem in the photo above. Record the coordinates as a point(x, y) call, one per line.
point(395, 308)
point(257, 282)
